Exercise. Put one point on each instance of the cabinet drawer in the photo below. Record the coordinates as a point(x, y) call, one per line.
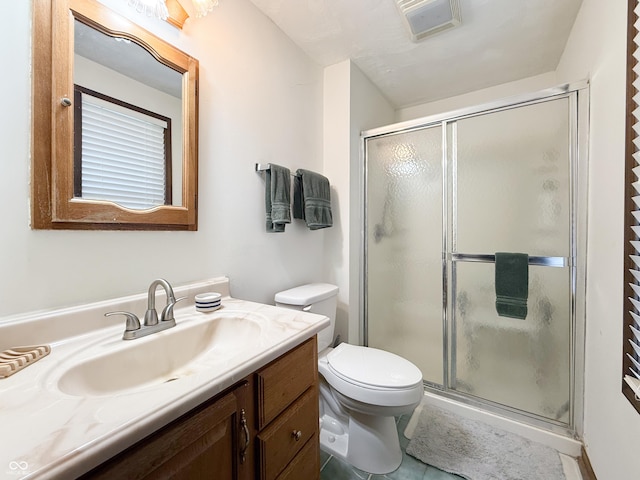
point(285, 437)
point(284, 380)
point(305, 465)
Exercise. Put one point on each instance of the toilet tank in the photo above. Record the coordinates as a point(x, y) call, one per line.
point(320, 298)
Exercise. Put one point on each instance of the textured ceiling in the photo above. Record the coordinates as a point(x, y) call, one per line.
point(499, 41)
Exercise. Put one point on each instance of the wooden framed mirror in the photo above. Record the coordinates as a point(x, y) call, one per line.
point(115, 123)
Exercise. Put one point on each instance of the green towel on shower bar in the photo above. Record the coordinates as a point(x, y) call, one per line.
point(512, 284)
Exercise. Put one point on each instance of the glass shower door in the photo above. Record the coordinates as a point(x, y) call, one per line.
point(509, 191)
point(404, 298)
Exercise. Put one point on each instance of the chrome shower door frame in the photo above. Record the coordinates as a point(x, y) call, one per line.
point(578, 94)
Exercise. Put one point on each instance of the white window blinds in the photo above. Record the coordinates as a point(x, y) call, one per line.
point(123, 155)
point(632, 227)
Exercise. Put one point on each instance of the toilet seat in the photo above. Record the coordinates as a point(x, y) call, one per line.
point(371, 367)
point(372, 376)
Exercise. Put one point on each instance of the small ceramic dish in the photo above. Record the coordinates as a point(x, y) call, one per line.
point(208, 309)
point(208, 304)
point(208, 297)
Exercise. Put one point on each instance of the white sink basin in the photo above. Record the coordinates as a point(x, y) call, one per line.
point(165, 356)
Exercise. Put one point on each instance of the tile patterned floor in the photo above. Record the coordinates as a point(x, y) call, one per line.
point(411, 469)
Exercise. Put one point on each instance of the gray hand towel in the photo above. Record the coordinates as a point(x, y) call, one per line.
point(312, 199)
point(512, 284)
point(277, 187)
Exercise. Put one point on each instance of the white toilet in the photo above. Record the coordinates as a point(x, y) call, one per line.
point(361, 389)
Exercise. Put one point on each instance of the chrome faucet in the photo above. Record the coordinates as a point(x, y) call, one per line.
point(151, 316)
point(151, 325)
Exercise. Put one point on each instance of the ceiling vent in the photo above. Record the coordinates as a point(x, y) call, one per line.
point(428, 17)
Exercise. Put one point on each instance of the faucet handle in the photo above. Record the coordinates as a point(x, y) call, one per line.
point(133, 323)
point(167, 312)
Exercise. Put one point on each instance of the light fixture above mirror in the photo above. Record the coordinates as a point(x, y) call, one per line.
point(203, 7)
point(172, 10)
point(152, 8)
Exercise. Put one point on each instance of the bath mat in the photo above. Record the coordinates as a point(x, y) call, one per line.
point(477, 451)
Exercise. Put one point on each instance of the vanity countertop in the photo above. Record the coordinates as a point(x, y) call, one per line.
point(50, 433)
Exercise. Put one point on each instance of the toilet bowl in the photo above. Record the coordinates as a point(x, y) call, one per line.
point(362, 389)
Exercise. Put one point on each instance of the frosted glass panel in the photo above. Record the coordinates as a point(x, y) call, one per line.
point(512, 174)
point(524, 364)
point(404, 247)
point(508, 177)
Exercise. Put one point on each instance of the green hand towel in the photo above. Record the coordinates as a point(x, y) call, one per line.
point(512, 284)
point(312, 199)
point(277, 198)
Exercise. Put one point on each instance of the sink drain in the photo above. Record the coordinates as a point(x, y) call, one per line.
point(171, 379)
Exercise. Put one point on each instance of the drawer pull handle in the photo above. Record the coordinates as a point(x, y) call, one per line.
point(297, 434)
point(245, 430)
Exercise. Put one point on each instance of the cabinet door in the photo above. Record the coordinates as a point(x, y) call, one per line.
point(206, 443)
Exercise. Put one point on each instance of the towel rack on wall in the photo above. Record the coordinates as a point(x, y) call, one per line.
point(261, 167)
point(543, 261)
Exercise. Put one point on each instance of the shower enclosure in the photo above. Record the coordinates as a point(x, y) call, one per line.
point(442, 195)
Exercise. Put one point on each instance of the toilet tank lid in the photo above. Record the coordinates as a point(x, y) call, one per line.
point(306, 294)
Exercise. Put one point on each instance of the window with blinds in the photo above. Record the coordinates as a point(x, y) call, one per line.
point(122, 152)
point(631, 348)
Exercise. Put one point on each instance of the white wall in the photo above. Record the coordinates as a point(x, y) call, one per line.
point(351, 104)
point(369, 109)
point(260, 101)
point(478, 97)
point(596, 49)
point(15, 255)
point(336, 118)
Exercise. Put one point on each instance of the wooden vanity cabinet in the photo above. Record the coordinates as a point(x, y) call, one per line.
point(287, 415)
point(277, 407)
point(206, 443)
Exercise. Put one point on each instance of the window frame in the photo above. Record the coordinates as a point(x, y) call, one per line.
point(77, 147)
point(629, 206)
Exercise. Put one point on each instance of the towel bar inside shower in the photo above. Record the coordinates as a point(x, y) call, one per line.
point(533, 260)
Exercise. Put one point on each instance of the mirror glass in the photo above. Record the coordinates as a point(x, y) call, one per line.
point(125, 96)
